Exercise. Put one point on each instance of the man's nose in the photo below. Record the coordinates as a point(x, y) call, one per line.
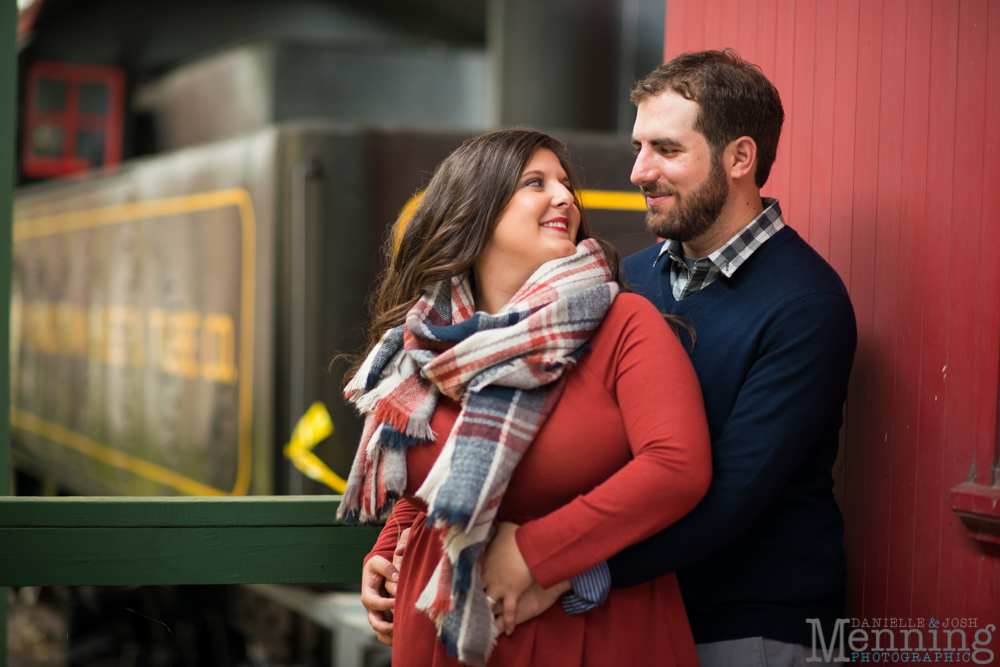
point(642, 170)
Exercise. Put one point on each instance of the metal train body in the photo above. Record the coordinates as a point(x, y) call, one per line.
point(171, 321)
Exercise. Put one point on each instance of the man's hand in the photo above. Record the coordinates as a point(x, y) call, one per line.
point(505, 573)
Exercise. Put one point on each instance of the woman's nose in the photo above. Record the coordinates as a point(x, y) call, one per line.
point(563, 196)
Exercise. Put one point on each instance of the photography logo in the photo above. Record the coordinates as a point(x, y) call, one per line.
point(902, 640)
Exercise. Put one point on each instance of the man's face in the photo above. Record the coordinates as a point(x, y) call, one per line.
point(685, 188)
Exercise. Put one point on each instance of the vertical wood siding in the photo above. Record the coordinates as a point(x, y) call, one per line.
point(889, 165)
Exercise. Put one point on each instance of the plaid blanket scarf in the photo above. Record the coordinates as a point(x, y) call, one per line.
point(508, 371)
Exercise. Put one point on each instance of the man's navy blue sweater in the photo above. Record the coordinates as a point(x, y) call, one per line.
point(775, 343)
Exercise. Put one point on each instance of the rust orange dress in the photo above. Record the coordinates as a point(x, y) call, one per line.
point(624, 454)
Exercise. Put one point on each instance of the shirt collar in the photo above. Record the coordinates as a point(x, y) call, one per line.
point(738, 249)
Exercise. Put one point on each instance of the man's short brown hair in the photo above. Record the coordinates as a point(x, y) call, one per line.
point(735, 97)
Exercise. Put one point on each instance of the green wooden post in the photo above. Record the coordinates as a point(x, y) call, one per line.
point(8, 107)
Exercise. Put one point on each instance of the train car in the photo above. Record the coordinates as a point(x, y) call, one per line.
point(173, 320)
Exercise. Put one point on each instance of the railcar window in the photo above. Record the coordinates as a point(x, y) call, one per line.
point(51, 95)
point(73, 118)
point(90, 147)
point(47, 141)
point(93, 98)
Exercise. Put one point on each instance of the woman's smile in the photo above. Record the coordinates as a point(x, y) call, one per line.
point(560, 224)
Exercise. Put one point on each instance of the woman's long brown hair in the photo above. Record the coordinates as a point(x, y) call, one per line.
point(454, 220)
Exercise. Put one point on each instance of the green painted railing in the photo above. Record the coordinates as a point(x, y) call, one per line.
point(149, 541)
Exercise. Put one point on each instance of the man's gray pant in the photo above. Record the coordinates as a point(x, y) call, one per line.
point(759, 652)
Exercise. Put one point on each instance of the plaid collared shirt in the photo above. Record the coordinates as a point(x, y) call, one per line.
point(684, 282)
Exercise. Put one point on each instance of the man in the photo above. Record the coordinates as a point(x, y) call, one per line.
point(775, 342)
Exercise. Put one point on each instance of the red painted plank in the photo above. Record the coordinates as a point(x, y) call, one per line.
point(696, 20)
point(989, 267)
point(778, 183)
point(885, 304)
point(715, 17)
point(800, 117)
point(863, 257)
point(933, 515)
point(746, 39)
point(767, 35)
point(973, 42)
point(982, 586)
point(916, 250)
point(854, 506)
point(844, 101)
point(675, 37)
point(729, 24)
point(824, 99)
point(962, 363)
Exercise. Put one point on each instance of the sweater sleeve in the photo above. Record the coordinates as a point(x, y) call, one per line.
point(795, 387)
point(402, 517)
point(660, 401)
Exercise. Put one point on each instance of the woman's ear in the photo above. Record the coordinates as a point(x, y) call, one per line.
point(741, 157)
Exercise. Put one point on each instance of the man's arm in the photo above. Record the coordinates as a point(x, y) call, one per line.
point(793, 390)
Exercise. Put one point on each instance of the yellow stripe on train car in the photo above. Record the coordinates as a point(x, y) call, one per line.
point(605, 200)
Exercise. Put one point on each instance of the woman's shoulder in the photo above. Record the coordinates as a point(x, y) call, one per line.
point(633, 332)
point(632, 309)
point(631, 320)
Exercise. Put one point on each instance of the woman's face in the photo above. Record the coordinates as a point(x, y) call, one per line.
point(539, 224)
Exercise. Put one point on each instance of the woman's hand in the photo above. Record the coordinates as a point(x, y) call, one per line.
point(505, 574)
point(535, 602)
point(379, 579)
point(397, 560)
point(375, 597)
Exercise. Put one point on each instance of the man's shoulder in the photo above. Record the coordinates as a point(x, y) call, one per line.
point(787, 265)
point(641, 262)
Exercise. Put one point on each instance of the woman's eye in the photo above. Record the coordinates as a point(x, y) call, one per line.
point(533, 182)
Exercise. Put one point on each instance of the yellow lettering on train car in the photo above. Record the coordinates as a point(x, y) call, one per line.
point(183, 343)
point(71, 324)
point(41, 327)
point(156, 319)
point(180, 343)
point(123, 337)
point(218, 348)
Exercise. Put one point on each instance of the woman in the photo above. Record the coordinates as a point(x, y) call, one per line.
point(477, 413)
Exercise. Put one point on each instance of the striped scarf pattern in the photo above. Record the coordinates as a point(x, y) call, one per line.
point(508, 371)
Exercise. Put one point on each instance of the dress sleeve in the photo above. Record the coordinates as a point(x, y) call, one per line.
point(794, 388)
point(660, 401)
point(402, 517)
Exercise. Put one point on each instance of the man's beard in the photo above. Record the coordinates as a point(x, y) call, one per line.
point(694, 214)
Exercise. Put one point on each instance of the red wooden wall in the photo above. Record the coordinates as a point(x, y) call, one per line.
point(889, 165)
